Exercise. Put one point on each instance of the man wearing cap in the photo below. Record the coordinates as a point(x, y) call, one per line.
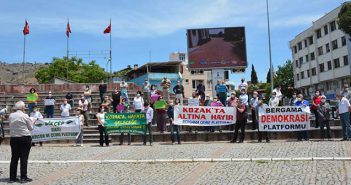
point(49, 103)
point(20, 141)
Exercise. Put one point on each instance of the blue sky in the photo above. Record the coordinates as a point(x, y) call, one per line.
point(140, 26)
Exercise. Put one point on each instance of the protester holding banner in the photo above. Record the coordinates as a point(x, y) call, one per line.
point(241, 120)
point(83, 107)
point(259, 105)
point(146, 91)
point(174, 128)
point(80, 115)
point(125, 109)
point(149, 116)
point(161, 106)
point(253, 103)
point(32, 99)
point(293, 100)
point(301, 103)
point(35, 114)
point(115, 99)
point(344, 109)
point(49, 103)
point(274, 100)
point(101, 121)
point(193, 101)
point(138, 102)
point(65, 108)
point(216, 103)
point(316, 101)
point(232, 102)
point(20, 131)
point(323, 111)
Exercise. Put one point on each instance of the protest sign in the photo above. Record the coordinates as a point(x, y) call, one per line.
point(284, 119)
point(56, 129)
point(160, 104)
point(204, 116)
point(133, 123)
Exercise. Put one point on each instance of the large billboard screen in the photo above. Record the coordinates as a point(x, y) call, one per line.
point(223, 48)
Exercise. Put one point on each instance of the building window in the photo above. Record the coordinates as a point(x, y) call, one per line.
point(308, 73)
point(312, 56)
point(302, 74)
point(305, 42)
point(310, 40)
point(325, 29)
point(329, 65)
point(297, 77)
point(319, 33)
point(327, 48)
point(314, 71)
point(307, 58)
point(343, 41)
point(295, 49)
point(332, 26)
point(299, 45)
point(335, 44)
point(196, 82)
point(296, 63)
point(346, 60)
point(321, 67)
point(320, 51)
point(336, 63)
point(301, 61)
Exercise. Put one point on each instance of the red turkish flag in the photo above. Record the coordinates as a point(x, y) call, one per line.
point(108, 29)
point(26, 29)
point(68, 30)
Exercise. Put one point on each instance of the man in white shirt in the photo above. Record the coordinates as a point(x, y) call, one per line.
point(193, 101)
point(65, 108)
point(274, 100)
point(344, 113)
point(278, 93)
point(49, 103)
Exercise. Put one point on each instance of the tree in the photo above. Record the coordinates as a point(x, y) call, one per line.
point(254, 79)
point(285, 78)
point(269, 76)
point(77, 71)
point(344, 18)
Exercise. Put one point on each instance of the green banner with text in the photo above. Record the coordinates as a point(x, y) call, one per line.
point(133, 123)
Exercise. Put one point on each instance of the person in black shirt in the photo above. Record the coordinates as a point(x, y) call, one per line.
point(179, 90)
point(69, 97)
point(115, 99)
point(200, 89)
point(102, 90)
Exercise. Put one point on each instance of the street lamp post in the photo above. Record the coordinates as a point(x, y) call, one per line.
point(269, 46)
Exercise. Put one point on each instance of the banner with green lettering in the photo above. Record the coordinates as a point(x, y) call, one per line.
point(133, 123)
point(56, 129)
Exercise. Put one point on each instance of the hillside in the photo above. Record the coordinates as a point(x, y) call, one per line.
point(12, 73)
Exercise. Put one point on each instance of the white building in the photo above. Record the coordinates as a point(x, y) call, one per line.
point(321, 56)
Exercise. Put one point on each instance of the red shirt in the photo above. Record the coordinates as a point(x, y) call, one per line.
point(241, 115)
point(317, 101)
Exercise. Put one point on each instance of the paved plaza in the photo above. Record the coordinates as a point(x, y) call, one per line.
point(279, 162)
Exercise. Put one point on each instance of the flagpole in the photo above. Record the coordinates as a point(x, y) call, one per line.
point(67, 50)
point(269, 47)
point(111, 52)
point(24, 57)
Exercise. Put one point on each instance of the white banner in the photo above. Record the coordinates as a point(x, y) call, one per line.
point(56, 129)
point(284, 119)
point(204, 116)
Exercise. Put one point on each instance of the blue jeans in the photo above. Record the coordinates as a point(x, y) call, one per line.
point(148, 127)
point(175, 128)
point(30, 107)
point(49, 111)
point(345, 121)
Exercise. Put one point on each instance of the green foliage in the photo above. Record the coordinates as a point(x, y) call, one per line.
point(77, 71)
point(268, 91)
point(285, 78)
point(253, 87)
point(344, 18)
point(122, 72)
point(269, 75)
point(254, 79)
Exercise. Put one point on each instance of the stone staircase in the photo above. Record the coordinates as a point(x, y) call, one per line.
point(91, 134)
